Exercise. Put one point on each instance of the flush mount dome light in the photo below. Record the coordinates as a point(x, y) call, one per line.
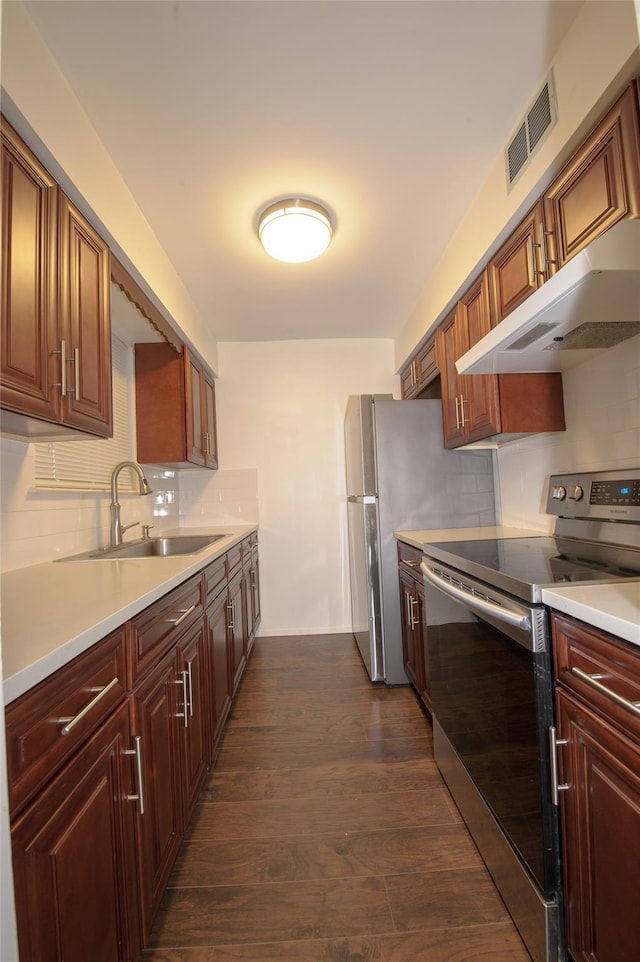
point(295, 230)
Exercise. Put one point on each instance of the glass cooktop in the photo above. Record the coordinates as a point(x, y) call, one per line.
point(523, 566)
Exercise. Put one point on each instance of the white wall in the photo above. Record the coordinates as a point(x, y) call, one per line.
point(602, 408)
point(280, 411)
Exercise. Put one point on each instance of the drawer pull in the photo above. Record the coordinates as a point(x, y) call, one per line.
point(72, 722)
point(592, 680)
point(185, 612)
point(411, 564)
point(137, 751)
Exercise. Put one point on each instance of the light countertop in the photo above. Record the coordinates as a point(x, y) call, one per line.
point(612, 607)
point(436, 535)
point(54, 611)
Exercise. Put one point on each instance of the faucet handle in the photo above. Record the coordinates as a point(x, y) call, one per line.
point(145, 530)
point(125, 527)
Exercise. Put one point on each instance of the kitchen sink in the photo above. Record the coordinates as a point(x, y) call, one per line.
point(168, 547)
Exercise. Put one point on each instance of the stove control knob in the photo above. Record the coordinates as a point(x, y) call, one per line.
point(575, 493)
point(559, 493)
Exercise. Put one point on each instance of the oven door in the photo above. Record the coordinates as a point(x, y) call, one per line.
point(491, 681)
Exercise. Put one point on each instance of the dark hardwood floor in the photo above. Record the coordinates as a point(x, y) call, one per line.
point(324, 832)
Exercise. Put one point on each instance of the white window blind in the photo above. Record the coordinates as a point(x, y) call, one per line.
point(86, 465)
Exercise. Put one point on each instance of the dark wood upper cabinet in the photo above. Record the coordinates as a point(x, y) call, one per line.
point(517, 270)
point(56, 320)
point(599, 186)
point(85, 317)
point(175, 408)
point(419, 372)
point(29, 282)
point(480, 406)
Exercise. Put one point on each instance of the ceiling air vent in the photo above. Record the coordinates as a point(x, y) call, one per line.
point(540, 117)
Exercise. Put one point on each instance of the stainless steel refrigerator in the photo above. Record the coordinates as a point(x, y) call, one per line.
point(400, 477)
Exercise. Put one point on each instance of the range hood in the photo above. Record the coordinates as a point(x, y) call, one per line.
point(591, 304)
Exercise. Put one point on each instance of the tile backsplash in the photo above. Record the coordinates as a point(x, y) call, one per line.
point(41, 525)
point(602, 408)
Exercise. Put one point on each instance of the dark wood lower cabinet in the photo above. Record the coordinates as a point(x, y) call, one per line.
point(414, 648)
point(601, 829)
point(106, 759)
point(159, 827)
point(598, 685)
point(195, 705)
point(217, 616)
point(73, 856)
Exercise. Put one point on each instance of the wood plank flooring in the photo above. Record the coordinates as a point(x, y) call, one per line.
point(324, 832)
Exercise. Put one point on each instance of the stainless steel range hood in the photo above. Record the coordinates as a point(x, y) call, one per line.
point(591, 304)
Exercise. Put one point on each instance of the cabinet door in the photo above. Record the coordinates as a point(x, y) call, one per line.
point(516, 271)
point(411, 619)
point(210, 434)
point(159, 829)
point(253, 605)
point(218, 617)
point(72, 857)
point(479, 401)
point(193, 696)
point(601, 183)
point(449, 346)
point(195, 412)
point(85, 320)
point(237, 626)
point(601, 835)
point(29, 369)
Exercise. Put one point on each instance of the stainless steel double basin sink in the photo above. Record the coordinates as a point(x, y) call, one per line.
point(168, 547)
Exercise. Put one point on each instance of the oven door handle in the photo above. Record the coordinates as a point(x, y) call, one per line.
point(481, 605)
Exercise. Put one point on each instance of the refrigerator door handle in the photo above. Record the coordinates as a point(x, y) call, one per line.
point(362, 498)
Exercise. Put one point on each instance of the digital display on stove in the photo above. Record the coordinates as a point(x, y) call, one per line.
point(616, 492)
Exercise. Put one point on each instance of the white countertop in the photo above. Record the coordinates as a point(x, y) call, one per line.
point(54, 611)
point(435, 535)
point(612, 607)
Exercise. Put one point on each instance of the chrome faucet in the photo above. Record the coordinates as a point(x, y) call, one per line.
point(117, 528)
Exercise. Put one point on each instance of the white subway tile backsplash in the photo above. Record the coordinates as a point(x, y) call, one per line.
point(602, 410)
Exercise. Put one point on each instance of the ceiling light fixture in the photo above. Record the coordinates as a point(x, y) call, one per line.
point(295, 230)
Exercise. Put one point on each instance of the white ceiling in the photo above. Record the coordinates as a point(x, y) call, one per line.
point(389, 113)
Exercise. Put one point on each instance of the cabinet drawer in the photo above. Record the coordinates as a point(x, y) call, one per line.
point(410, 558)
point(249, 548)
point(215, 579)
point(47, 724)
point(234, 559)
point(153, 631)
point(611, 667)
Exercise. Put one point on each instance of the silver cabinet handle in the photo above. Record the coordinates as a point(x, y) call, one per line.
point(463, 420)
point(532, 264)
point(185, 612)
point(411, 564)
point(546, 260)
point(76, 372)
point(475, 603)
point(185, 698)
point(592, 680)
point(230, 608)
point(72, 722)
point(137, 751)
point(190, 680)
point(62, 383)
point(413, 603)
point(457, 412)
point(553, 765)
